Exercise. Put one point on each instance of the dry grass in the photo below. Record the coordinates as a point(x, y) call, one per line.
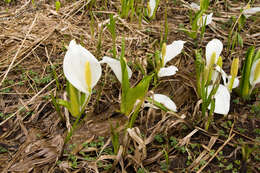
point(33, 39)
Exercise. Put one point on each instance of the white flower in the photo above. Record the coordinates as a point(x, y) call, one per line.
point(250, 11)
point(222, 96)
point(215, 46)
point(213, 50)
point(222, 99)
point(205, 20)
point(151, 6)
point(255, 73)
point(81, 68)
point(164, 100)
point(171, 51)
point(194, 6)
point(116, 67)
point(167, 71)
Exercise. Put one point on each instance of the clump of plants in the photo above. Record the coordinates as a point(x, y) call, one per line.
point(213, 85)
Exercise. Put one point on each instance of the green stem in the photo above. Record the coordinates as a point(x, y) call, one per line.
point(77, 121)
point(134, 116)
point(212, 108)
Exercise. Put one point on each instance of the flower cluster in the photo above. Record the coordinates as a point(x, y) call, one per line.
point(83, 70)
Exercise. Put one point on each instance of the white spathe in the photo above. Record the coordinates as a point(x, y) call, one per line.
point(74, 65)
point(164, 100)
point(115, 65)
point(254, 74)
point(205, 19)
point(172, 50)
point(227, 78)
point(194, 6)
point(222, 99)
point(235, 83)
point(152, 5)
point(216, 46)
point(250, 11)
point(167, 71)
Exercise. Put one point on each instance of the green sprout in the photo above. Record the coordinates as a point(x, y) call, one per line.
point(57, 5)
point(250, 73)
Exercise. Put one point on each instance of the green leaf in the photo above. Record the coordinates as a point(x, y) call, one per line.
point(129, 95)
point(133, 94)
point(234, 40)
point(63, 103)
point(257, 55)
point(204, 4)
point(125, 80)
point(115, 138)
point(245, 85)
point(241, 22)
point(74, 101)
point(239, 40)
point(157, 104)
point(56, 106)
point(82, 99)
point(134, 115)
point(111, 26)
point(194, 26)
point(186, 31)
point(67, 87)
point(212, 93)
point(112, 29)
point(199, 66)
point(158, 60)
point(125, 7)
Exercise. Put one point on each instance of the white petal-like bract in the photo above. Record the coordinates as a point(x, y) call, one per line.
point(172, 50)
point(235, 84)
point(223, 74)
point(194, 6)
point(74, 65)
point(255, 73)
point(226, 78)
point(152, 4)
point(251, 11)
point(167, 71)
point(115, 65)
point(222, 100)
point(216, 46)
point(214, 76)
point(205, 19)
point(165, 101)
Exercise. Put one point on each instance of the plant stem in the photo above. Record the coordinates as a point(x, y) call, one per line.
point(77, 121)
